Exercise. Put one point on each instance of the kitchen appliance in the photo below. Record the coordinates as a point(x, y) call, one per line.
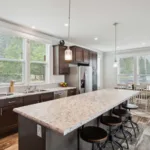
point(80, 77)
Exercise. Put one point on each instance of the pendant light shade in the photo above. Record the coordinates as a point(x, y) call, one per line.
point(68, 51)
point(68, 54)
point(115, 65)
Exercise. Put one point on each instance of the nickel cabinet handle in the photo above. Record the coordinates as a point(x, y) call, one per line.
point(11, 102)
point(1, 111)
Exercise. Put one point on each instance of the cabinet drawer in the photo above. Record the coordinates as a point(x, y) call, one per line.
point(32, 99)
point(47, 97)
point(13, 101)
point(71, 92)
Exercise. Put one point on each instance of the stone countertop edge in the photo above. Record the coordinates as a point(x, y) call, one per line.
point(74, 127)
point(19, 94)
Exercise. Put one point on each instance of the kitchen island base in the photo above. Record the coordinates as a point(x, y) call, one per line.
point(49, 140)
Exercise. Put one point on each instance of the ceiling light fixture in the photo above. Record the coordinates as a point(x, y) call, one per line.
point(68, 51)
point(96, 38)
point(33, 27)
point(115, 65)
point(66, 24)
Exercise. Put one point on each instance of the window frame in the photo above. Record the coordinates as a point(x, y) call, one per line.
point(118, 69)
point(26, 58)
point(16, 60)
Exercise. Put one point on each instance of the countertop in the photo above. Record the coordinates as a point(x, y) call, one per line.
point(15, 95)
point(67, 114)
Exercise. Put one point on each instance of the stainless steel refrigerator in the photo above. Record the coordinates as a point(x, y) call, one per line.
point(80, 77)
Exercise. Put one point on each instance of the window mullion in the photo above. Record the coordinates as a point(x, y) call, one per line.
point(27, 61)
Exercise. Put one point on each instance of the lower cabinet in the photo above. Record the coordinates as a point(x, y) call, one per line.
point(8, 118)
point(47, 96)
point(32, 99)
point(71, 92)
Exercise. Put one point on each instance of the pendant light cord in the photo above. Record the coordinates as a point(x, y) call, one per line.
point(69, 20)
point(115, 24)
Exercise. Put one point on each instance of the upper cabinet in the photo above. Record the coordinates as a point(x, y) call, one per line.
point(80, 55)
point(60, 66)
point(86, 56)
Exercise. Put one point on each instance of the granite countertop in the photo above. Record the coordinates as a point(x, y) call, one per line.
point(67, 114)
point(56, 89)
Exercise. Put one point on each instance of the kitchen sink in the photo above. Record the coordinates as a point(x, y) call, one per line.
point(36, 91)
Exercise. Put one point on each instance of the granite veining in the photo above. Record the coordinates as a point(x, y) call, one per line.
point(67, 114)
point(34, 93)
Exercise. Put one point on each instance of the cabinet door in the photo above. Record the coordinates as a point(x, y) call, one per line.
point(63, 65)
point(47, 97)
point(32, 99)
point(71, 92)
point(79, 54)
point(86, 56)
point(8, 119)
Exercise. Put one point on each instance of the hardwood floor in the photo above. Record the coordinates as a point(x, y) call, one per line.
point(9, 143)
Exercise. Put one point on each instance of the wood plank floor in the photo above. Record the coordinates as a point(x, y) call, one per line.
point(9, 143)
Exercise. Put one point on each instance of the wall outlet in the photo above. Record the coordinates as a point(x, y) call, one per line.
point(39, 130)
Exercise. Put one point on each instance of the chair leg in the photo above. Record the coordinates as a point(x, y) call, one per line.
point(122, 129)
point(112, 145)
point(92, 146)
point(133, 128)
point(119, 145)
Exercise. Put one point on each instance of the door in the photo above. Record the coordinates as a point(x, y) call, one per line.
point(86, 56)
point(47, 97)
point(8, 118)
point(32, 99)
point(79, 54)
point(63, 65)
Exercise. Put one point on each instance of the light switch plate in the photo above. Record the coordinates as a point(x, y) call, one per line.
point(39, 131)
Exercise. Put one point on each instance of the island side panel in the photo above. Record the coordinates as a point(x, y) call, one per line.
point(28, 139)
point(56, 141)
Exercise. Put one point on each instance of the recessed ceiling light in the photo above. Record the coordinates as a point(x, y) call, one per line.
point(66, 24)
point(143, 44)
point(96, 38)
point(33, 27)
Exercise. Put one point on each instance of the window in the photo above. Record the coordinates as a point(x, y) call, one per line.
point(38, 61)
point(11, 58)
point(143, 72)
point(126, 70)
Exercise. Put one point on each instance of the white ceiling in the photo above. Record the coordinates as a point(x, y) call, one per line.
point(90, 19)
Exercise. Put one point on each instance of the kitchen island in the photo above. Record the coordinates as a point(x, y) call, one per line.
point(53, 125)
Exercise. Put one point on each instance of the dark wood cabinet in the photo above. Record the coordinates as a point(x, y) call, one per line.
point(60, 66)
point(8, 118)
point(47, 96)
point(79, 54)
point(86, 56)
point(32, 99)
point(71, 92)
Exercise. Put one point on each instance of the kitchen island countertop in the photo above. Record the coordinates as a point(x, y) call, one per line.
point(67, 114)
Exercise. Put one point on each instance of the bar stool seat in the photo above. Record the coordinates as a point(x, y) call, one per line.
point(121, 112)
point(130, 106)
point(111, 121)
point(93, 134)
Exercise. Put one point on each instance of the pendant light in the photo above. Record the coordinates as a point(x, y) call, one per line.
point(68, 51)
point(115, 65)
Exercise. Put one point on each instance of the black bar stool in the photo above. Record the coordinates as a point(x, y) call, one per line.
point(94, 135)
point(134, 125)
point(123, 114)
point(111, 122)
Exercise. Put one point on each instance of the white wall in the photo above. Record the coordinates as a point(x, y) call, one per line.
point(110, 73)
point(36, 35)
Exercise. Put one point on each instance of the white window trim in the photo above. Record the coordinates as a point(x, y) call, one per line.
point(26, 60)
